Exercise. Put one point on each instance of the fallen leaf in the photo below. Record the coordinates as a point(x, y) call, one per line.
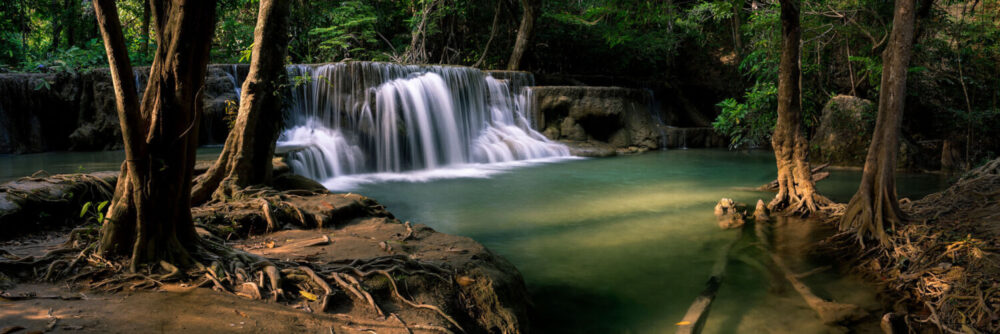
point(464, 280)
point(683, 323)
point(308, 295)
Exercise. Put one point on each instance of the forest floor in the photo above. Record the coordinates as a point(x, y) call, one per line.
point(454, 274)
point(942, 269)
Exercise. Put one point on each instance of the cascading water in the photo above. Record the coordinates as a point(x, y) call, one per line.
point(366, 117)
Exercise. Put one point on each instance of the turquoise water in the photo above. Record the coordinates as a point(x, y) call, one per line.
point(13, 166)
point(623, 245)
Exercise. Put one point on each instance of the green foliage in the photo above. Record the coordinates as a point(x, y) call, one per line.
point(749, 124)
point(351, 32)
point(93, 212)
point(69, 60)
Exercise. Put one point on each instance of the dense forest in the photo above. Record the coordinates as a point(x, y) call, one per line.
point(729, 46)
point(245, 136)
point(673, 47)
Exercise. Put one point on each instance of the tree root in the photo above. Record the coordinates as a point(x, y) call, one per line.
point(395, 291)
point(322, 284)
point(817, 175)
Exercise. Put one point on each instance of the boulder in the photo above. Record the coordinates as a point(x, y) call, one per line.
point(845, 130)
point(617, 116)
point(730, 214)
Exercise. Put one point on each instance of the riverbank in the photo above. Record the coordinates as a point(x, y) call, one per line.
point(625, 243)
point(432, 281)
point(942, 270)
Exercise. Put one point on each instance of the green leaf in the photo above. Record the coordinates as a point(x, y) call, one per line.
point(100, 206)
point(83, 211)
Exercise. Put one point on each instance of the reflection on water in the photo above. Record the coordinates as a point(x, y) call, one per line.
point(623, 245)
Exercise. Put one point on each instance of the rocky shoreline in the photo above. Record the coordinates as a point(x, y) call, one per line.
point(481, 291)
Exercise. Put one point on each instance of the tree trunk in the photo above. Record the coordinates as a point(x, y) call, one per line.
point(145, 28)
point(417, 53)
point(150, 216)
point(795, 185)
point(875, 206)
point(58, 16)
point(246, 157)
point(524, 32)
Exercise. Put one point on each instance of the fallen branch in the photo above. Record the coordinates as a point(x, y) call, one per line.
point(829, 312)
point(694, 320)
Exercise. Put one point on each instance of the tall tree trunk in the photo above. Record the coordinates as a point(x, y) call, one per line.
point(145, 27)
point(150, 216)
point(524, 32)
point(737, 36)
point(58, 16)
point(246, 158)
point(795, 186)
point(72, 19)
point(875, 206)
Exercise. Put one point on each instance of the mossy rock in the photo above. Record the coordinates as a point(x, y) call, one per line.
point(845, 130)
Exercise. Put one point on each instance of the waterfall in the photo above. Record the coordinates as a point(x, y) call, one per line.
point(654, 111)
point(368, 117)
point(234, 76)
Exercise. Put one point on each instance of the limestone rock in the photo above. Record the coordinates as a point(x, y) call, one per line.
point(760, 212)
point(729, 214)
point(571, 130)
point(53, 112)
point(845, 130)
point(617, 116)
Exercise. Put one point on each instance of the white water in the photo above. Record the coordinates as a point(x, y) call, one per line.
point(361, 122)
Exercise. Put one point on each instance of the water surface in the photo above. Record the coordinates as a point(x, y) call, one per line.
point(623, 245)
point(13, 166)
point(614, 245)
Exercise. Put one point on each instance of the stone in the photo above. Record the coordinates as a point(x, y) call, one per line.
point(729, 214)
point(760, 212)
point(54, 112)
point(571, 130)
point(845, 130)
point(617, 116)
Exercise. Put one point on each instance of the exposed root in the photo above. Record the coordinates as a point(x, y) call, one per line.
point(943, 264)
point(817, 175)
point(213, 264)
point(395, 292)
point(322, 284)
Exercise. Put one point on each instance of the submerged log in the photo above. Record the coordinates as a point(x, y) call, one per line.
point(829, 312)
point(694, 319)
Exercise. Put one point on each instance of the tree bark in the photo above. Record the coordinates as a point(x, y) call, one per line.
point(524, 32)
point(58, 16)
point(145, 28)
point(246, 158)
point(150, 216)
point(796, 190)
point(875, 206)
